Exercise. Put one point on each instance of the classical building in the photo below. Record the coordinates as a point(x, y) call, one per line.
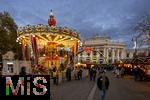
point(140, 52)
point(11, 66)
point(101, 50)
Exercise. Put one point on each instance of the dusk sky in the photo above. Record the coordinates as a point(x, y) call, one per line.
point(114, 18)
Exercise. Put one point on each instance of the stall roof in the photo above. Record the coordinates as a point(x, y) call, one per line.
point(137, 60)
point(147, 60)
point(141, 60)
point(128, 61)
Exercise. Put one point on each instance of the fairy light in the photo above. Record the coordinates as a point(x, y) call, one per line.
point(33, 35)
point(44, 55)
point(60, 37)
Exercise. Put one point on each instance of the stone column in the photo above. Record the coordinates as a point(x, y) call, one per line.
point(91, 56)
point(96, 55)
point(104, 55)
point(121, 56)
point(107, 57)
point(118, 54)
point(113, 55)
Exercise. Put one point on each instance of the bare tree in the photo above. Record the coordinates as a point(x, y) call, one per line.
point(142, 29)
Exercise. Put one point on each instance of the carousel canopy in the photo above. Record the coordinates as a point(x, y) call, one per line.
point(46, 34)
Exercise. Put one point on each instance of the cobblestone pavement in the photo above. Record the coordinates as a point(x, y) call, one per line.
point(126, 89)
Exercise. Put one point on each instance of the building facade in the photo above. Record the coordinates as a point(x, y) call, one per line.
point(101, 50)
point(12, 66)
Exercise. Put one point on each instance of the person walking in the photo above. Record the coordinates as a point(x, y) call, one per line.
point(94, 73)
point(91, 73)
point(68, 74)
point(122, 72)
point(54, 76)
point(103, 85)
point(80, 74)
point(75, 71)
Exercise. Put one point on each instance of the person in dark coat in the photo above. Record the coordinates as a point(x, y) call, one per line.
point(103, 85)
point(80, 74)
point(23, 71)
point(94, 74)
point(68, 73)
point(54, 76)
point(91, 73)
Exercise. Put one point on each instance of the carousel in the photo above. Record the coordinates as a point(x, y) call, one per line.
point(48, 46)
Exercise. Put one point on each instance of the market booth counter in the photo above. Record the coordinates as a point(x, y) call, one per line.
point(144, 64)
point(126, 64)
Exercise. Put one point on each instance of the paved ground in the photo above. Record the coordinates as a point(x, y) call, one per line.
point(126, 89)
point(120, 89)
point(73, 90)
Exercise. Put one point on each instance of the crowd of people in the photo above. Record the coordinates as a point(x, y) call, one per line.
point(119, 72)
point(138, 73)
point(76, 73)
point(93, 72)
point(70, 74)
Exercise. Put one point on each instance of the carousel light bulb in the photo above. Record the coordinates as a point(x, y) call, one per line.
point(16, 40)
point(71, 38)
point(33, 35)
point(60, 37)
point(20, 43)
point(23, 37)
point(47, 35)
point(78, 41)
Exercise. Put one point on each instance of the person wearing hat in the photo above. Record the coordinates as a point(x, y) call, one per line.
point(103, 85)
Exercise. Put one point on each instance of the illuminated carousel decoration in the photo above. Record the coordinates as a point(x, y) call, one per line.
point(48, 45)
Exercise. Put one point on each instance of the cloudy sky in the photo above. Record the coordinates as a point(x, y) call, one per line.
point(114, 18)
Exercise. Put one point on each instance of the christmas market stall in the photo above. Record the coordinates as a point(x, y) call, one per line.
point(144, 64)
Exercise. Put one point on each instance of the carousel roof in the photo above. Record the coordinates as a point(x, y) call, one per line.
point(48, 34)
